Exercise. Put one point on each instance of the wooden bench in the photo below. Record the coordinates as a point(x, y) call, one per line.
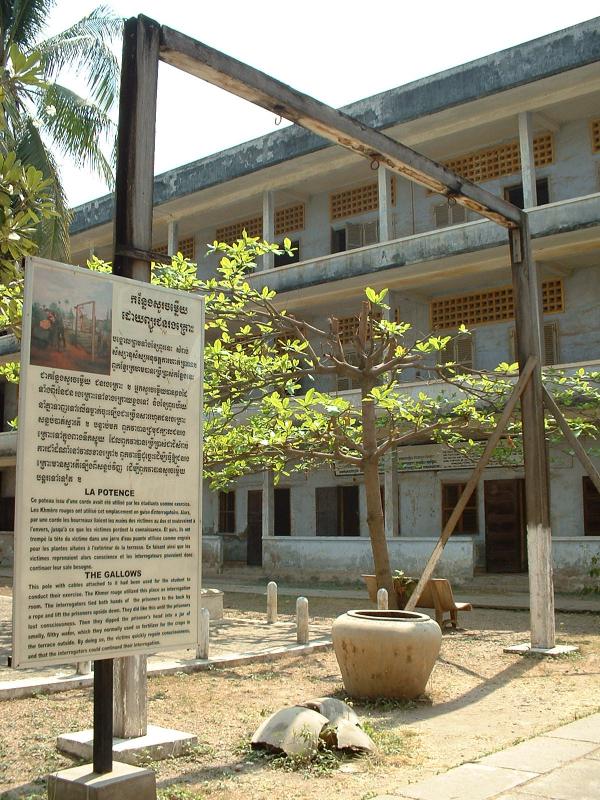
point(436, 595)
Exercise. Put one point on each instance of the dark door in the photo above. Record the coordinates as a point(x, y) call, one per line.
point(254, 546)
point(505, 545)
point(348, 514)
point(283, 517)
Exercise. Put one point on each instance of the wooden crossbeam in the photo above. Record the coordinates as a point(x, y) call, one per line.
point(221, 70)
point(472, 483)
point(573, 441)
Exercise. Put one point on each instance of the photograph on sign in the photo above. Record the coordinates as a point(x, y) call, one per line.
point(108, 517)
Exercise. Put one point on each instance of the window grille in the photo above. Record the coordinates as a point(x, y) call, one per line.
point(359, 200)
point(233, 232)
point(493, 162)
point(595, 129)
point(494, 305)
point(289, 219)
point(348, 327)
point(227, 512)
point(186, 247)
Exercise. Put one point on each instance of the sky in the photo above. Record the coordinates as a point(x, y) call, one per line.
point(335, 50)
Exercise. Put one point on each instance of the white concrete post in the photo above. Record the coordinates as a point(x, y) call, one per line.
point(172, 238)
point(130, 713)
point(268, 505)
point(527, 159)
point(382, 599)
point(384, 191)
point(203, 634)
point(83, 667)
point(268, 226)
point(302, 620)
point(271, 602)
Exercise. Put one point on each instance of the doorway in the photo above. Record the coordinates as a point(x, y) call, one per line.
point(505, 541)
point(254, 529)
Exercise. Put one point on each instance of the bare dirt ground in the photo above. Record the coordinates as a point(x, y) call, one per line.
point(479, 700)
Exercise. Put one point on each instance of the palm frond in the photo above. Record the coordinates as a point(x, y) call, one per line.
point(78, 128)
point(22, 21)
point(86, 47)
point(52, 235)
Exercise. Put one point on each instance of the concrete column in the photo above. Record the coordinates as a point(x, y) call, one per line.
point(527, 159)
point(130, 714)
point(203, 634)
point(302, 633)
point(268, 505)
point(382, 599)
point(384, 190)
point(392, 506)
point(271, 602)
point(268, 226)
point(172, 238)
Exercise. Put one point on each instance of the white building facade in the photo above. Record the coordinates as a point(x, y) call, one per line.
point(525, 124)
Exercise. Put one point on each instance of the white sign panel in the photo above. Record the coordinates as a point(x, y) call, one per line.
point(107, 544)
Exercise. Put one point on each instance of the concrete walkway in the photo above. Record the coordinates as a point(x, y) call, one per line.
point(563, 764)
point(232, 641)
point(509, 600)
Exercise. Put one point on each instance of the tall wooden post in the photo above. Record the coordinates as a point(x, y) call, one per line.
point(132, 238)
point(528, 316)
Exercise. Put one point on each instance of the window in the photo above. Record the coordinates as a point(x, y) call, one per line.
point(550, 344)
point(283, 521)
point(283, 259)
point(467, 522)
point(591, 508)
point(445, 214)
point(185, 246)
point(514, 194)
point(227, 512)
point(337, 511)
point(354, 235)
point(459, 350)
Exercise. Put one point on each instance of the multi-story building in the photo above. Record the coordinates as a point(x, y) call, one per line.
point(355, 227)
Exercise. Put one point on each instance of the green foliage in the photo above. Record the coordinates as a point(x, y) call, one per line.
point(41, 117)
point(593, 587)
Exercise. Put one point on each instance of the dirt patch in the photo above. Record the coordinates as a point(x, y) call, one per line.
point(479, 700)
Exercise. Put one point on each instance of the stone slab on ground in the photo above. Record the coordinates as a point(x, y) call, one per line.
point(125, 782)
point(577, 781)
point(473, 781)
point(158, 744)
point(541, 754)
point(584, 730)
point(528, 649)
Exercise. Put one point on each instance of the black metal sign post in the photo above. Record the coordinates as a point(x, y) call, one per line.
point(103, 716)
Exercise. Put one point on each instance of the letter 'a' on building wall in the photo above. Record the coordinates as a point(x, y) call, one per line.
point(107, 545)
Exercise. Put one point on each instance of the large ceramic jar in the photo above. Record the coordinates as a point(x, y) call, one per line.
point(386, 653)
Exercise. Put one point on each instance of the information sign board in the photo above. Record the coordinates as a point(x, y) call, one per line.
point(107, 537)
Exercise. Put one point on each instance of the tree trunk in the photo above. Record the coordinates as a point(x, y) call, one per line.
point(375, 518)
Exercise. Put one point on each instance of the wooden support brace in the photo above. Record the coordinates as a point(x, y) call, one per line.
point(573, 441)
point(227, 73)
point(472, 483)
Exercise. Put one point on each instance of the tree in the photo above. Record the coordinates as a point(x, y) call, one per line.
point(259, 360)
point(44, 118)
point(259, 415)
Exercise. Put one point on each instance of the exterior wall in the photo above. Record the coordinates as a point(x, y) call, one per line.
point(573, 559)
point(320, 558)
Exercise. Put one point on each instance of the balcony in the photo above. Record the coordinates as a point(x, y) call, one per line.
point(558, 230)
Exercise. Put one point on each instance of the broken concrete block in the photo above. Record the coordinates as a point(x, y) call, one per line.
point(348, 737)
point(335, 710)
point(290, 730)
